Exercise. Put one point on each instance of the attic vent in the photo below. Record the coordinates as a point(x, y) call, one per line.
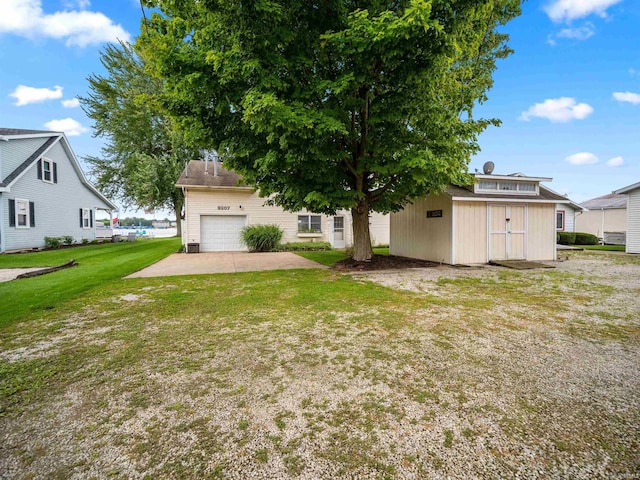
point(488, 167)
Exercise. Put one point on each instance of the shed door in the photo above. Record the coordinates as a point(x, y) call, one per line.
point(507, 232)
point(219, 233)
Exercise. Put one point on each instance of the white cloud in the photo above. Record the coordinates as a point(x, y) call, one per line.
point(568, 10)
point(628, 97)
point(26, 95)
point(582, 158)
point(580, 33)
point(81, 4)
point(67, 125)
point(76, 27)
point(633, 72)
point(71, 103)
point(615, 161)
point(561, 109)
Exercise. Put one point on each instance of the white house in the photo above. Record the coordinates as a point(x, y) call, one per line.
point(633, 216)
point(218, 206)
point(566, 213)
point(43, 192)
point(499, 217)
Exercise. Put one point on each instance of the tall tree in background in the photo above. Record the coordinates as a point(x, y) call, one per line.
point(144, 154)
point(330, 104)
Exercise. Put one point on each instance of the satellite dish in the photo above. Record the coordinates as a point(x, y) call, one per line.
point(488, 167)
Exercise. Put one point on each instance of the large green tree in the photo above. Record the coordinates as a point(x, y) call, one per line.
point(331, 104)
point(143, 153)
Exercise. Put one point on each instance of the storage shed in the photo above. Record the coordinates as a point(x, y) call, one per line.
point(633, 216)
point(499, 217)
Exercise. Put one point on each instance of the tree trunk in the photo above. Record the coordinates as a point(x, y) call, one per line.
point(178, 222)
point(362, 251)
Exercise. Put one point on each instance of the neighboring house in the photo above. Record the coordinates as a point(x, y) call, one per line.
point(633, 216)
point(218, 206)
point(566, 213)
point(606, 218)
point(43, 192)
point(500, 217)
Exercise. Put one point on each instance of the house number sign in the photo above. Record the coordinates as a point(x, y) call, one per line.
point(224, 207)
point(434, 213)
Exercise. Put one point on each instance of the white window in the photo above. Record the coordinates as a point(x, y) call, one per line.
point(485, 185)
point(309, 224)
point(22, 213)
point(47, 170)
point(86, 218)
point(560, 220)
point(509, 186)
point(526, 187)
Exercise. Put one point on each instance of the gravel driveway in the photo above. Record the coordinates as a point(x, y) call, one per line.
point(426, 373)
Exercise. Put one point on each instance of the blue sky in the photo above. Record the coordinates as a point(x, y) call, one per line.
point(569, 97)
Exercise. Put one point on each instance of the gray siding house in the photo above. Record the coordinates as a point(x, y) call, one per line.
point(43, 192)
point(633, 216)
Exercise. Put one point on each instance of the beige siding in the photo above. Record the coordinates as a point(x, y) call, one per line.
point(633, 222)
point(615, 220)
point(244, 202)
point(416, 236)
point(541, 232)
point(470, 232)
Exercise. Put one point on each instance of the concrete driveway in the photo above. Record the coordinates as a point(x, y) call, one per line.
point(224, 262)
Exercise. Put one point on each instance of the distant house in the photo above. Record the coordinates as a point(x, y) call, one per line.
point(499, 217)
point(218, 206)
point(633, 216)
point(566, 213)
point(606, 218)
point(43, 192)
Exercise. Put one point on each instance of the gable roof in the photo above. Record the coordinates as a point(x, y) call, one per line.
point(545, 195)
point(8, 134)
point(628, 188)
point(576, 206)
point(198, 173)
point(605, 202)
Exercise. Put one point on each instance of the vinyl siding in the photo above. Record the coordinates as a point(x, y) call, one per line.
point(541, 232)
point(416, 236)
point(633, 222)
point(470, 227)
point(615, 220)
point(569, 217)
point(247, 203)
point(14, 152)
point(57, 205)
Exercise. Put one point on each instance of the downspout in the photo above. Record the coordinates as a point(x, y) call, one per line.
point(602, 227)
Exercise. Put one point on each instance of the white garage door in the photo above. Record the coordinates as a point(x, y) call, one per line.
point(220, 233)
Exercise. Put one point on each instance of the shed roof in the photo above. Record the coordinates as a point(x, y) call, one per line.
point(201, 174)
point(545, 195)
point(612, 200)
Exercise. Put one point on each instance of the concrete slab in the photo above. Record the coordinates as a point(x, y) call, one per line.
point(7, 274)
point(224, 262)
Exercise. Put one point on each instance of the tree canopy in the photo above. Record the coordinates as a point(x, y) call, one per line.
point(144, 153)
point(333, 104)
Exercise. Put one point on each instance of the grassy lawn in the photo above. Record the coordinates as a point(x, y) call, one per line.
point(98, 265)
point(332, 256)
point(434, 373)
point(607, 248)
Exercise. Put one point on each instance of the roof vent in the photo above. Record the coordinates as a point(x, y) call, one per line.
point(488, 167)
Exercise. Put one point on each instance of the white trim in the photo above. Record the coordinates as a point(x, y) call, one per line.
point(86, 216)
point(214, 187)
point(51, 169)
point(627, 188)
point(506, 200)
point(28, 223)
point(453, 233)
point(512, 177)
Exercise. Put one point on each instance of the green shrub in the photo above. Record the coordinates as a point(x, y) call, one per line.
point(304, 246)
point(585, 239)
point(261, 238)
point(566, 238)
point(66, 240)
point(85, 241)
point(52, 242)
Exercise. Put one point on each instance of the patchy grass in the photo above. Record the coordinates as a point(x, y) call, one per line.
point(606, 248)
point(98, 265)
point(485, 373)
point(330, 257)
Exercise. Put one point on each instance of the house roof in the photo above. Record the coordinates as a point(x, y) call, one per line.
point(201, 174)
point(576, 206)
point(612, 200)
point(8, 134)
point(545, 195)
point(628, 188)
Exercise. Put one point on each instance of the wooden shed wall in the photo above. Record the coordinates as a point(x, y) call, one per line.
point(541, 231)
point(470, 232)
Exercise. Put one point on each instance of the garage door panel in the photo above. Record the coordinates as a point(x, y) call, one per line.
point(219, 233)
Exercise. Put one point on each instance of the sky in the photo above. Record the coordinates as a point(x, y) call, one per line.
point(568, 98)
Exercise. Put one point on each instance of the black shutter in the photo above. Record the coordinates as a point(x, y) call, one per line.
point(91, 218)
point(32, 214)
point(55, 172)
point(81, 225)
point(40, 169)
point(12, 213)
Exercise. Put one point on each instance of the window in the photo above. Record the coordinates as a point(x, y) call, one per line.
point(47, 171)
point(526, 187)
point(506, 187)
point(484, 185)
point(309, 223)
point(560, 220)
point(22, 213)
point(86, 218)
point(510, 186)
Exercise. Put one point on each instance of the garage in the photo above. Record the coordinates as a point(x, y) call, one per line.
point(221, 233)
